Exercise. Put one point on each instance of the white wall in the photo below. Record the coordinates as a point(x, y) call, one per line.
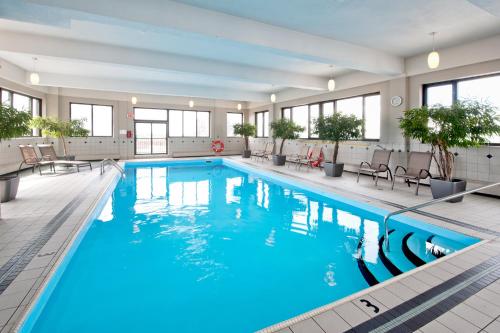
point(471, 164)
point(56, 103)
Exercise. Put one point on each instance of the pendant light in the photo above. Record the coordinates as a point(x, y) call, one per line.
point(331, 82)
point(239, 106)
point(134, 100)
point(34, 76)
point(191, 103)
point(433, 57)
point(273, 98)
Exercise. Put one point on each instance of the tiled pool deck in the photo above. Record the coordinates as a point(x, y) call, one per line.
point(457, 293)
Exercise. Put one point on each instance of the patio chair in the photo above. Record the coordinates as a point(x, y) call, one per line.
point(419, 164)
point(296, 157)
point(258, 152)
point(266, 153)
point(49, 154)
point(31, 159)
point(379, 163)
point(314, 158)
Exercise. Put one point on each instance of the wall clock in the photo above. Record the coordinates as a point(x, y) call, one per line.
point(396, 100)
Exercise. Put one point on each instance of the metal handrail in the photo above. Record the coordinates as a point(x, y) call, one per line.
point(428, 203)
point(113, 163)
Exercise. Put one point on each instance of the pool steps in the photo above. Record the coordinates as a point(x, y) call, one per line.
point(417, 250)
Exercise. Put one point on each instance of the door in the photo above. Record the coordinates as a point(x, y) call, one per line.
point(150, 138)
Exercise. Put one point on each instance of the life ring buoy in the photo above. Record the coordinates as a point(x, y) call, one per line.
point(217, 146)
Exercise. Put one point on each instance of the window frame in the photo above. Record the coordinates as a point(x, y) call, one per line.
point(92, 119)
point(196, 125)
point(334, 101)
point(256, 124)
point(454, 91)
point(242, 122)
point(39, 113)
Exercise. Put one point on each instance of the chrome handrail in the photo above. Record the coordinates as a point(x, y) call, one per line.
point(425, 204)
point(113, 163)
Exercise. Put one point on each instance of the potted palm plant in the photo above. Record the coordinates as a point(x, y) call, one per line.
point(13, 124)
point(464, 124)
point(284, 129)
point(337, 128)
point(60, 129)
point(245, 130)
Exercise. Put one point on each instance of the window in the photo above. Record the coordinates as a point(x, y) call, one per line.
point(483, 89)
point(97, 119)
point(366, 107)
point(262, 124)
point(150, 114)
point(189, 123)
point(23, 103)
point(231, 120)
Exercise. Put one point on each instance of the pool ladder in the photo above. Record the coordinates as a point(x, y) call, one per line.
point(113, 163)
point(425, 204)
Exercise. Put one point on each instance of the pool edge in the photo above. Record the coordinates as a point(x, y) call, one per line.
point(37, 300)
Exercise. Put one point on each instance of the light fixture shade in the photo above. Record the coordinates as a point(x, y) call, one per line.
point(191, 104)
point(134, 100)
point(433, 60)
point(239, 106)
point(34, 78)
point(331, 85)
point(273, 98)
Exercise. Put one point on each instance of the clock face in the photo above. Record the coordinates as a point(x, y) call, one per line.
point(396, 101)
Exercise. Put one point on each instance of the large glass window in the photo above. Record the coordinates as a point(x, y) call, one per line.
point(366, 107)
point(23, 103)
point(262, 124)
point(189, 123)
point(231, 120)
point(97, 119)
point(300, 116)
point(483, 89)
point(440, 95)
point(150, 114)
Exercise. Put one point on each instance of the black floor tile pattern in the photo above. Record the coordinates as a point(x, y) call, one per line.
point(405, 321)
point(11, 269)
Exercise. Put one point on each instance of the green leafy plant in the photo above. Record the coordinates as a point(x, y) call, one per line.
point(285, 129)
point(61, 129)
point(245, 130)
point(337, 128)
point(464, 124)
point(13, 123)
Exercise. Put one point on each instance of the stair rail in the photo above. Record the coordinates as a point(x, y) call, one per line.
point(425, 204)
point(113, 163)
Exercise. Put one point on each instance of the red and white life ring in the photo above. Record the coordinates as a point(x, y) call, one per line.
point(217, 146)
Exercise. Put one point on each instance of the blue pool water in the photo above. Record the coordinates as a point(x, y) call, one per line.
point(211, 247)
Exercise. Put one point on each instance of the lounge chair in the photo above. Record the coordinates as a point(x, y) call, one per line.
point(313, 159)
point(266, 153)
point(31, 159)
point(49, 154)
point(379, 163)
point(419, 164)
point(296, 157)
point(258, 152)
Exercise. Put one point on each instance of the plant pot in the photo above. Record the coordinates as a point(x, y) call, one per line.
point(279, 159)
point(246, 153)
point(333, 169)
point(441, 188)
point(8, 187)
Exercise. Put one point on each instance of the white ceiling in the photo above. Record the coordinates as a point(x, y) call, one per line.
point(233, 49)
point(399, 27)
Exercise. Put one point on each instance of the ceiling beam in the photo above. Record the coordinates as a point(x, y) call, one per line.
point(101, 53)
point(211, 24)
point(146, 87)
